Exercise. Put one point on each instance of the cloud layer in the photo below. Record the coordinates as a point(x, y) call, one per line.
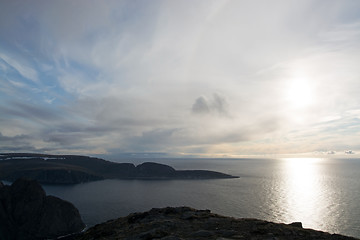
point(180, 77)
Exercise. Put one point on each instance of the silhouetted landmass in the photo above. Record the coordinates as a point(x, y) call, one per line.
point(71, 169)
point(26, 213)
point(187, 223)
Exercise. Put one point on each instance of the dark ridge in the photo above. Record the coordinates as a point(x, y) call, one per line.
point(186, 223)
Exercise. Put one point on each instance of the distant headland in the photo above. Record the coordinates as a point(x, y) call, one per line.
point(73, 169)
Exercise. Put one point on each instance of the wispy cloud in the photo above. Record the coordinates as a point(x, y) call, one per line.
point(25, 71)
point(202, 77)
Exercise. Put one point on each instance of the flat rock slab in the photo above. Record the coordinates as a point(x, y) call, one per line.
point(187, 223)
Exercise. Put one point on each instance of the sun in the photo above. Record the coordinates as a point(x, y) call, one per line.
point(299, 93)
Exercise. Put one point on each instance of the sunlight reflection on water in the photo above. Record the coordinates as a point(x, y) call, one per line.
point(303, 192)
point(321, 193)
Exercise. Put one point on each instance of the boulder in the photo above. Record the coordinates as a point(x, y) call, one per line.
point(296, 224)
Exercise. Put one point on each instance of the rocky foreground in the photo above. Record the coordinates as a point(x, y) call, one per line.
point(187, 223)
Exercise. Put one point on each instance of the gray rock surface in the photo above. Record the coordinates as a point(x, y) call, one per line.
point(187, 223)
point(27, 213)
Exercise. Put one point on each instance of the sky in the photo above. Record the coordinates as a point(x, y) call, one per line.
point(180, 78)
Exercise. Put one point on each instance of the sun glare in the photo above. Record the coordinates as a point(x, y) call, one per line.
point(299, 93)
point(302, 186)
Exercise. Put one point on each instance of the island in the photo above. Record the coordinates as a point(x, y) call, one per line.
point(73, 169)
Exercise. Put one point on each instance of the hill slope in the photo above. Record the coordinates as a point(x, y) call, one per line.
point(187, 223)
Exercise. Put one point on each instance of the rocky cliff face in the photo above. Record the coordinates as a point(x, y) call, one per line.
point(27, 213)
point(187, 223)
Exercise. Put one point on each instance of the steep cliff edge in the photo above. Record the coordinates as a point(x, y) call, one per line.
point(187, 223)
point(27, 213)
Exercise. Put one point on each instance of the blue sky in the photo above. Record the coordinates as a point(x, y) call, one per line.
point(204, 78)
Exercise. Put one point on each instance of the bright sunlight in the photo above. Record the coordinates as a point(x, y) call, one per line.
point(299, 93)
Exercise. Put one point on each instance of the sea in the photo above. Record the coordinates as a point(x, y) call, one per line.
point(322, 193)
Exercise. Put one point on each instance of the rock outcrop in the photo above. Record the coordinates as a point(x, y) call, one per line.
point(27, 213)
point(72, 169)
point(187, 223)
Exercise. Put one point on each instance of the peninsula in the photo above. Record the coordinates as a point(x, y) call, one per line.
point(73, 169)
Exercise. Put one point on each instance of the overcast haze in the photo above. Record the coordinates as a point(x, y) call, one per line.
point(205, 78)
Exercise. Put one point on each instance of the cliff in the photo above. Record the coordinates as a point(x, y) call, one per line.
point(70, 169)
point(187, 223)
point(26, 213)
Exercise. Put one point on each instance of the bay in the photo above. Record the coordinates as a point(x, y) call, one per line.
point(321, 193)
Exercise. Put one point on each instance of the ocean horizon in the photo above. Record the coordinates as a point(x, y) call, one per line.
point(319, 192)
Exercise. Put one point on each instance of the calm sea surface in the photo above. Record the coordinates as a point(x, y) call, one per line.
point(323, 194)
